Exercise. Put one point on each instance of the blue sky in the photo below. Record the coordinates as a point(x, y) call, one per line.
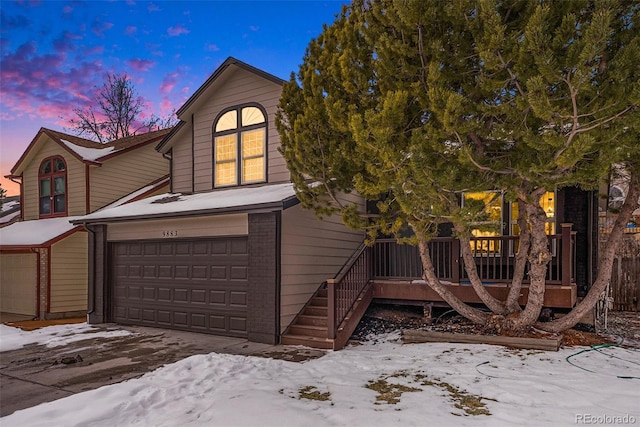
point(56, 53)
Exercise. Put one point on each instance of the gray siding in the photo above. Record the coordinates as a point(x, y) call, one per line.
point(69, 272)
point(181, 154)
point(312, 252)
point(124, 174)
point(238, 87)
point(75, 180)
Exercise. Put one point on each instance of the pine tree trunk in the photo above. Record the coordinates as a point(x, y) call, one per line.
point(539, 257)
point(487, 299)
point(432, 280)
point(605, 265)
point(512, 302)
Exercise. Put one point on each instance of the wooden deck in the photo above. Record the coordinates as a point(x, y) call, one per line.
point(392, 272)
point(555, 296)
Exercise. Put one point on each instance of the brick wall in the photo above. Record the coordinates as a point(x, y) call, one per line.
point(263, 304)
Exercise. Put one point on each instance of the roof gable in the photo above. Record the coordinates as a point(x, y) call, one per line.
point(85, 150)
point(228, 63)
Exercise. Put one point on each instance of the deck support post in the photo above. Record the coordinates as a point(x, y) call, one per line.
point(455, 261)
point(427, 311)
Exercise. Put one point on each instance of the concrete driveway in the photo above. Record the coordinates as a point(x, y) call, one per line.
point(36, 374)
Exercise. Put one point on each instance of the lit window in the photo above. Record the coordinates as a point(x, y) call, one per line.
point(239, 152)
point(52, 187)
point(548, 203)
point(489, 227)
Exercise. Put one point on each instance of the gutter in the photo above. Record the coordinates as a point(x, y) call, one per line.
point(261, 208)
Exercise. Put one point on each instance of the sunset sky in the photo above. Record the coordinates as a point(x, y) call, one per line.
point(55, 54)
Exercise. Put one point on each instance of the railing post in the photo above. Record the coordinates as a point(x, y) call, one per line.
point(331, 308)
point(566, 253)
point(455, 261)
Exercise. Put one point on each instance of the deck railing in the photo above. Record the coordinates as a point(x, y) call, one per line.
point(494, 257)
point(344, 290)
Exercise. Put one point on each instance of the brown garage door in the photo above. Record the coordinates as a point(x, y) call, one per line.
point(196, 285)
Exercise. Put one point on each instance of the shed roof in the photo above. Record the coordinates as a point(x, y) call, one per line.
point(36, 233)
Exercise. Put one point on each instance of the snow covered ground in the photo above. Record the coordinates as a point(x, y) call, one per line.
point(381, 383)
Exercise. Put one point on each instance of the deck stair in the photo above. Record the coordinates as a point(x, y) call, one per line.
point(310, 327)
point(334, 311)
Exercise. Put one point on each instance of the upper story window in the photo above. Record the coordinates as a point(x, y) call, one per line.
point(52, 187)
point(239, 146)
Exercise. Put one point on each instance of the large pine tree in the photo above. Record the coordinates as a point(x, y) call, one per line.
point(414, 103)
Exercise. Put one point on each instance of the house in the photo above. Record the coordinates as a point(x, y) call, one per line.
point(10, 211)
point(43, 256)
point(230, 251)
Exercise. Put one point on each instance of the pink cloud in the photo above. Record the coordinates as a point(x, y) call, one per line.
point(67, 9)
point(177, 30)
point(99, 27)
point(139, 64)
point(153, 8)
point(166, 107)
point(39, 87)
point(254, 27)
point(168, 83)
point(95, 50)
point(130, 30)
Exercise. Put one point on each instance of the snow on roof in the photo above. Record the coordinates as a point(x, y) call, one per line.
point(8, 205)
point(34, 233)
point(9, 217)
point(178, 203)
point(90, 154)
point(126, 199)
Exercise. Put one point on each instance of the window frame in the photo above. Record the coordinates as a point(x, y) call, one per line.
point(238, 131)
point(51, 176)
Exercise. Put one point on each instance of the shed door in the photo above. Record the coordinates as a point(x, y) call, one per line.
point(195, 285)
point(18, 283)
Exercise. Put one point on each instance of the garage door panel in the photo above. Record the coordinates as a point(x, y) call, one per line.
point(198, 285)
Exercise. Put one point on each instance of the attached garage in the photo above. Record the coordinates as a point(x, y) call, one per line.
point(19, 282)
point(197, 284)
point(222, 262)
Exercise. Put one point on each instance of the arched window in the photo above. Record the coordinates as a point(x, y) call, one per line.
point(240, 146)
point(52, 187)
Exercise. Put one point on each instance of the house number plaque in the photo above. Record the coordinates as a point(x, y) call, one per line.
point(170, 233)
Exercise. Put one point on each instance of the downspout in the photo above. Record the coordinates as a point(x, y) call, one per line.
point(91, 276)
point(87, 190)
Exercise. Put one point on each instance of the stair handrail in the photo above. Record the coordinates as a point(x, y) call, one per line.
point(341, 299)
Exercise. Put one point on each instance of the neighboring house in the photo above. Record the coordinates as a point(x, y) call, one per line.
point(229, 250)
point(43, 257)
point(10, 211)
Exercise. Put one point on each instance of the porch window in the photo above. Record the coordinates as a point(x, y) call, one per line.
point(239, 146)
point(52, 187)
point(490, 225)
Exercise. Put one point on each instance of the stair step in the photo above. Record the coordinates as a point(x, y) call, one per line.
point(310, 330)
point(312, 310)
point(319, 301)
point(313, 342)
point(304, 319)
point(323, 293)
